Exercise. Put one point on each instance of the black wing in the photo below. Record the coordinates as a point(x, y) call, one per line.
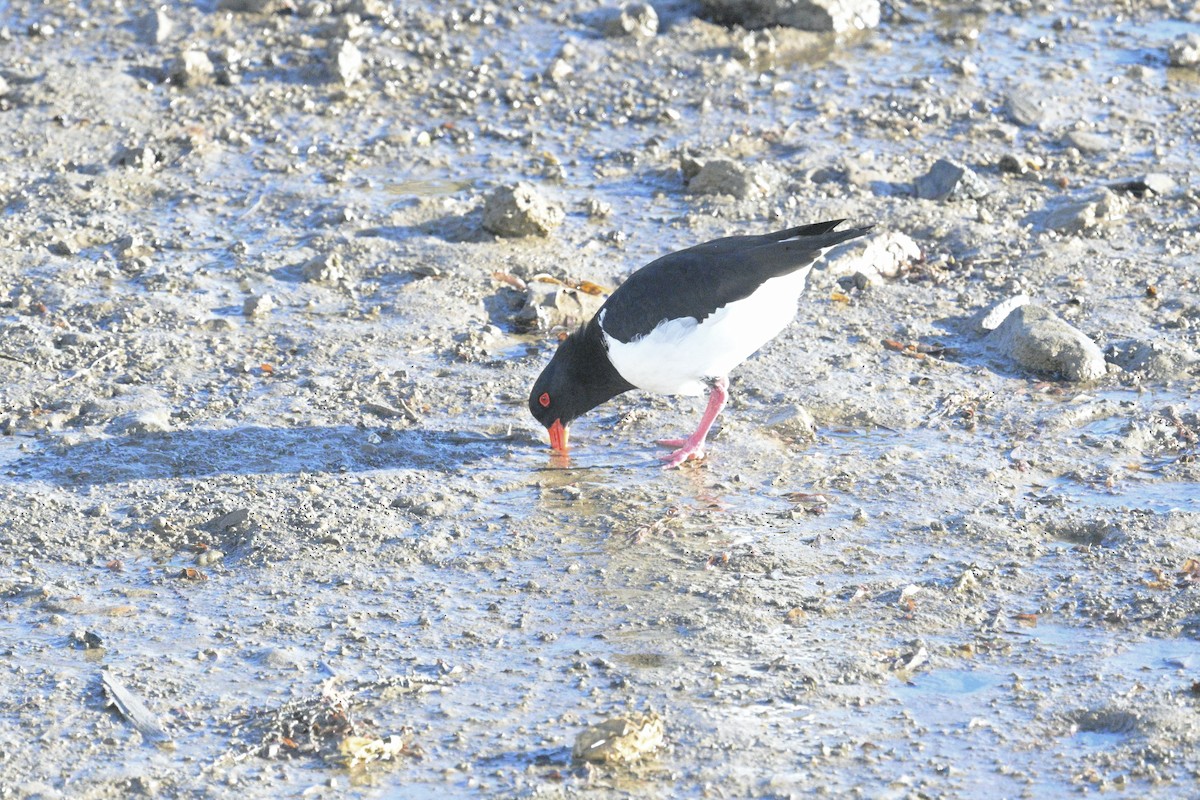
point(697, 281)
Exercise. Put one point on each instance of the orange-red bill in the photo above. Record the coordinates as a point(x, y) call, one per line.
point(558, 436)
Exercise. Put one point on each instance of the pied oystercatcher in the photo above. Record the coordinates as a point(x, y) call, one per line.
point(679, 325)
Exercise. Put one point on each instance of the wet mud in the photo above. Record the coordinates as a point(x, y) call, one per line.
point(267, 466)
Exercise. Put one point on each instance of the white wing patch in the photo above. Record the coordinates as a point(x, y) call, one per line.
point(678, 355)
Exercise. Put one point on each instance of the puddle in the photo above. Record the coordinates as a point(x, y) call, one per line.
point(432, 187)
point(949, 683)
point(1160, 497)
point(1096, 741)
point(251, 450)
point(1081, 671)
point(946, 699)
point(13, 448)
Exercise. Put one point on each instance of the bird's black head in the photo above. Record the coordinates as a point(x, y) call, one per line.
point(555, 400)
point(578, 378)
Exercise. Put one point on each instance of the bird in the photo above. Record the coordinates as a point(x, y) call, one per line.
point(679, 325)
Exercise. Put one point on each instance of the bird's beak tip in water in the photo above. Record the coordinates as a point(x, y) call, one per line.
point(558, 436)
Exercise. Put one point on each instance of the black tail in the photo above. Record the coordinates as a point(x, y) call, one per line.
point(819, 234)
point(784, 251)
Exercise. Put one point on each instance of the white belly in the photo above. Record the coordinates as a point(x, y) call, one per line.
point(678, 355)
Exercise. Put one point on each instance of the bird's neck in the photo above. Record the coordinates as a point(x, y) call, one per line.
point(596, 376)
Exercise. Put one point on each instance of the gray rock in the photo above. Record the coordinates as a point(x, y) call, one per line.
point(723, 176)
point(558, 71)
point(1020, 164)
point(145, 785)
point(991, 317)
point(949, 181)
point(1088, 142)
point(1140, 72)
point(226, 520)
point(1160, 361)
point(964, 67)
point(209, 557)
point(67, 244)
point(1184, 51)
point(1154, 182)
point(1159, 183)
point(689, 164)
point(132, 245)
point(1081, 213)
point(324, 268)
point(597, 208)
point(258, 305)
point(639, 20)
point(834, 16)
point(1023, 110)
point(1034, 338)
point(1012, 164)
point(140, 157)
point(73, 339)
point(192, 68)
point(793, 422)
point(886, 254)
point(781, 46)
point(520, 210)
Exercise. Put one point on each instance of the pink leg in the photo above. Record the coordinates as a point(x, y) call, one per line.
point(693, 446)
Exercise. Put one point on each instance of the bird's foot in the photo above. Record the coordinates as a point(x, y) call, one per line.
point(689, 451)
point(670, 443)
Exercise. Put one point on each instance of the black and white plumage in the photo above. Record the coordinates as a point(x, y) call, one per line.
point(680, 324)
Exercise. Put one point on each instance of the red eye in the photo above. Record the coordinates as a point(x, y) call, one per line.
point(544, 400)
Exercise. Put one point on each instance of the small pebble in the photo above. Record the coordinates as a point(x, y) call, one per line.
point(192, 68)
point(1184, 51)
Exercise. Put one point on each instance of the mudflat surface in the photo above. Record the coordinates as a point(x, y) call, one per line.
point(266, 462)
